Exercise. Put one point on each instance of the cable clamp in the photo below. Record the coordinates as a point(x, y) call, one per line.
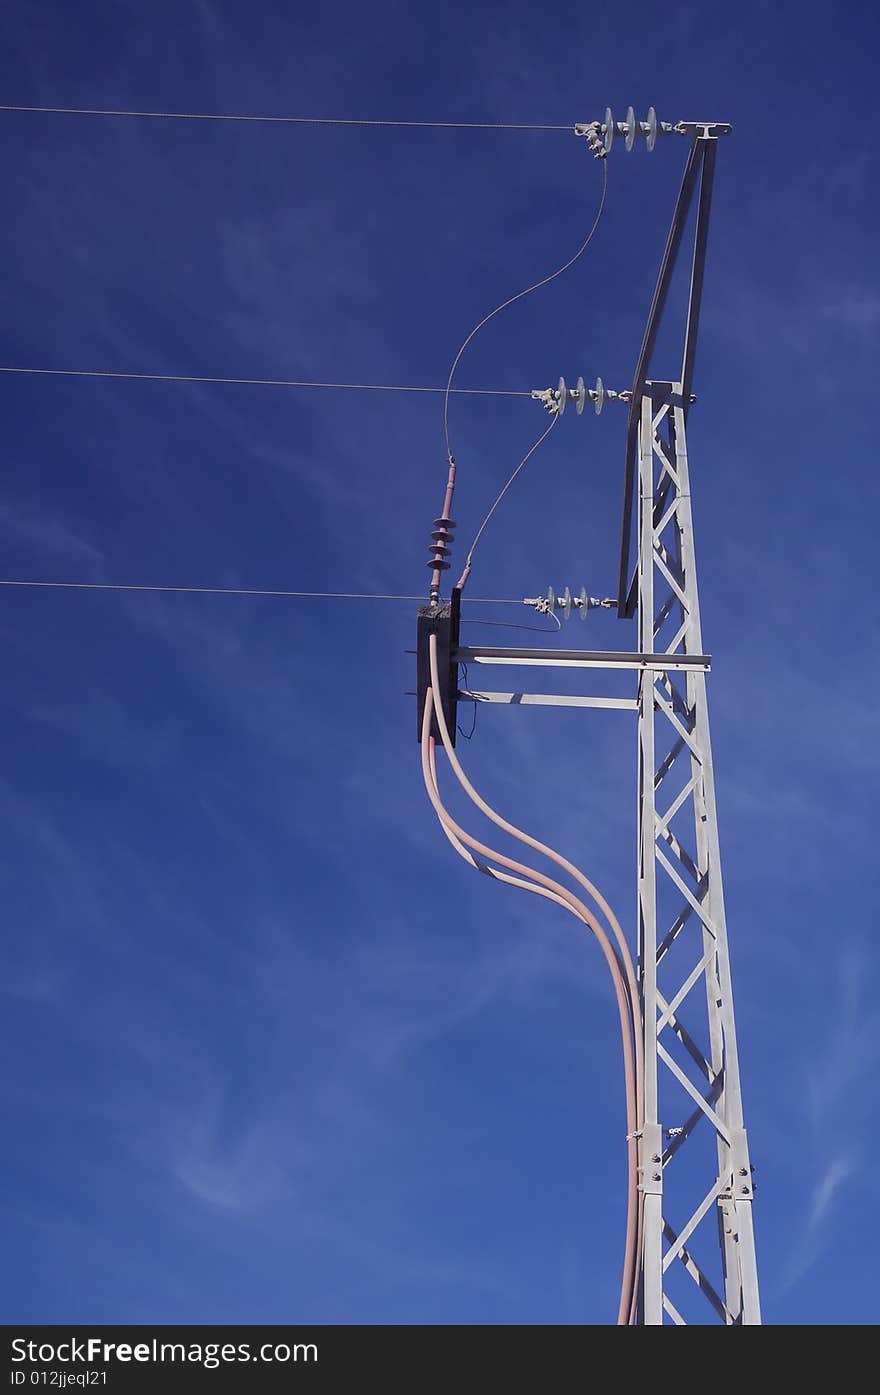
point(548, 397)
point(590, 130)
point(542, 604)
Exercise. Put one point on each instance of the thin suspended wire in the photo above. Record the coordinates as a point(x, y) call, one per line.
point(255, 382)
point(288, 120)
point(463, 679)
point(482, 528)
point(237, 591)
point(511, 625)
point(519, 296)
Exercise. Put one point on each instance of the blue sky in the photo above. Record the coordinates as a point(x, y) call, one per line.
point(271, 1052)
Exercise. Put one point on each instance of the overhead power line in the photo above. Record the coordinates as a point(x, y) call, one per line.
point(289, 120)
point(442, 535)
point(520, 295)
point(482, 528)
point(254, 382)
point(238, 591)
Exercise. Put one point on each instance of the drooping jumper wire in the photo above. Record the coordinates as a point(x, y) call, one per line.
point(443, 525)
point(622, 970)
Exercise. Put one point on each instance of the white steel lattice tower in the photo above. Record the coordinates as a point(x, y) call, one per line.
point(694, 1155)
point(697, 1258)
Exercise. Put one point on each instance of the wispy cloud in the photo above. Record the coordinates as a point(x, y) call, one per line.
point(838, 1170)
point(835, 1119)
point(812, 1239)
point(852, 1043)
point(856, 308)
point(47, 535)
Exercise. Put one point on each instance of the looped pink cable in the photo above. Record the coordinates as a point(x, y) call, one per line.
point(625, 957)
point(545, 886)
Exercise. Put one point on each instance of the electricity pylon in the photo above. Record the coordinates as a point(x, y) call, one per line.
point(697, 1259)
point(695, 1158)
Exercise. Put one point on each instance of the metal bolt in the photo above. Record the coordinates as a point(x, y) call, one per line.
point(655, 1157)
point(744, 1172)
point(655, 1176)
point(744, 1190)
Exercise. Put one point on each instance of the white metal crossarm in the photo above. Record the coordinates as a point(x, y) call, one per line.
point(548, 700)
point(582, 658)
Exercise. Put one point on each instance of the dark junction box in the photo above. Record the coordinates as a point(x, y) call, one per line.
point(443, 621)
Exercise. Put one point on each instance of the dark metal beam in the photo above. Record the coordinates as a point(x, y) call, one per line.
point(667, 266)
point(696, 295)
